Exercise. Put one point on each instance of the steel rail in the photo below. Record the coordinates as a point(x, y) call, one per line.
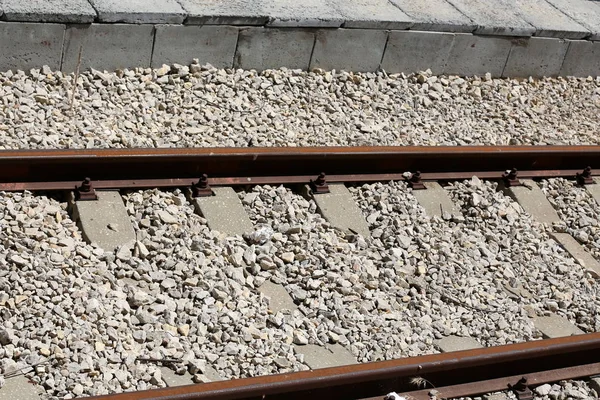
point(121, 168)
point(504, 383)
point(375, 380)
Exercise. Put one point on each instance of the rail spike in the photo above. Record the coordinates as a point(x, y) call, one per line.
point(521, 390)
point(415, 182)
point(86, 191)
point(319, 185)
point(511, 178)
point(202, 188)
point(585, 177)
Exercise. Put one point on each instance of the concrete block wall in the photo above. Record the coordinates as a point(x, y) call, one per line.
point(460, 37)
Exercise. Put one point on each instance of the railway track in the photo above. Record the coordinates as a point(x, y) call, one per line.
point(258, 172)
point(118, 168)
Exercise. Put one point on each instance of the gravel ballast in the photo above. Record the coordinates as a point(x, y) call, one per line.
point(186, 293)
point(577, 209)
point(183, 106)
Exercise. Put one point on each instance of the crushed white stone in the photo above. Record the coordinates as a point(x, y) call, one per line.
point(217, 107)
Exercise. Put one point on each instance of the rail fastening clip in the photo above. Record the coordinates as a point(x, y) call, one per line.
point(585, 177)
point(511, 178)
point(202, 188)
point(86, 191)
point(319, 185)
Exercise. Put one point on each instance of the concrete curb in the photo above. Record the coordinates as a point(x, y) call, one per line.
point(114, 46)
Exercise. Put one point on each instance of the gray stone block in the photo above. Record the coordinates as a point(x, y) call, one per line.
point(279, 298)
point(578, 252)
point(457, 343)
point(582, 59)
point(534, 201)
point(331, 355)
point(373, 14)
point(555, 326)
point(496, 396)
point(74, 11)
point(435, 15)
point(356, 50)
point(264, 48)
point(107, 46)
point(585, 12)
point(413, 51)
point(140, 11)
point(594, 190)
point(224, 212)
point(435, 200)
point(171, 379)
point(340, 210)
point(212, 374)
point(29, 45)
point(181, 44)
point(104, 221)
point(548, 20)
point(477, 55)
point(230, 12)
point(305, 14)
point(20, 388)
point(494, 19)
point(535, 57)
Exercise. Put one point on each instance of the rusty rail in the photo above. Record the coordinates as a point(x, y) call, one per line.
point(478, 371)
point(121, 168)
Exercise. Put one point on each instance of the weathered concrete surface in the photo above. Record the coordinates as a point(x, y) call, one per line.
point(534, 57)
point(578, 252)
point(349, 49)
point(105, 221)
point(555, 326)
point(224, 212)
point(494, 19)
point(373, 14)
point(305, 14)
point(74, 11)
point(496, 396)
point(279, 298)
point(435, 15)
point(181, 44)
point(456, 343)
point(412, 51)
point(585, 12)
point(172, 379)
point(264, 48)
point(548, 20)
point(533, 201)
point(340, 209)
point(29, 45)
point(477, 55)
point(107, 46)
point(140, 11)
point(582, 59)
point(230, 12)
point(20, 388)
point(594, 190)
point(435, 200)
point(331, 355)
